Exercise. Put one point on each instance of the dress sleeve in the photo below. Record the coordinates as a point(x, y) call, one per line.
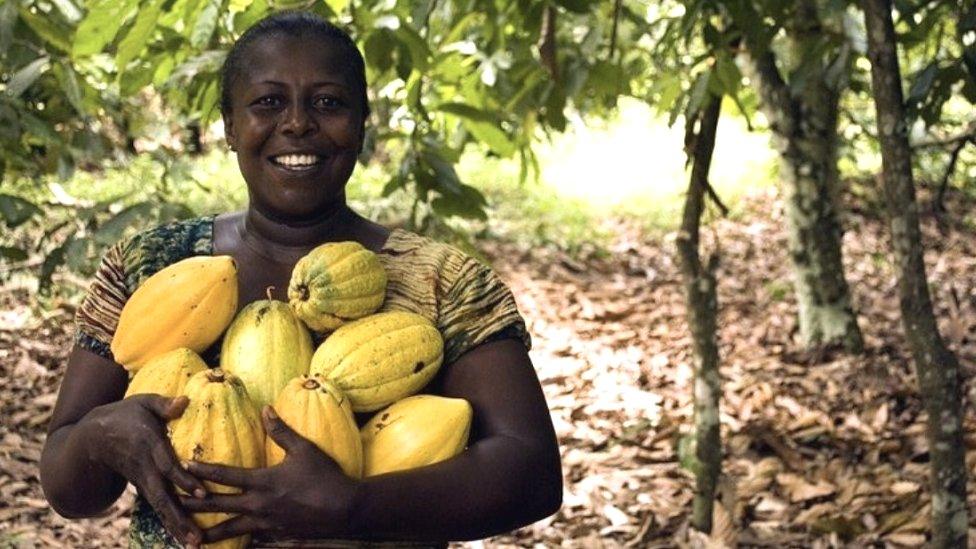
point(476, 307)
point(98, 316)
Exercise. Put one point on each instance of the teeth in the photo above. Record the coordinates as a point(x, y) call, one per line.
point(296, 160)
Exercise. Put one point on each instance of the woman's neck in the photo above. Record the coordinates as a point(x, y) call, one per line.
point(286, 241)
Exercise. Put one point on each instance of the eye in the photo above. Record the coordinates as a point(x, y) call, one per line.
point(267, 101)
point(328, 102)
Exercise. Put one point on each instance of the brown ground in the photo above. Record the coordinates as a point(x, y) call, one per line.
point(821, 450)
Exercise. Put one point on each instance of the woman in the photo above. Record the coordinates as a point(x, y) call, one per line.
point(294, 107)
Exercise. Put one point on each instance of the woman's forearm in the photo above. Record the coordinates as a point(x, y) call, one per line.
point(494, 486)
point(73, 483)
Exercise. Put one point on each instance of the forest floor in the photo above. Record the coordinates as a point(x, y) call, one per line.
point(822, 449)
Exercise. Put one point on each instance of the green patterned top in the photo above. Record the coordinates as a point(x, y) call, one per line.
point(464, 298)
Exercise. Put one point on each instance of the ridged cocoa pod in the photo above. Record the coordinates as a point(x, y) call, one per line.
point(266, 346)
point(220, 425)
point(381, 358)
point(318, 411)
point(166, 374)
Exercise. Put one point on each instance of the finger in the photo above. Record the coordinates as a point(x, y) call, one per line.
point(164, 407)
point(178, 523)
point(226, 475)
point(218, 503)
point(166, 461)
point(231, 528)
point(281, 433)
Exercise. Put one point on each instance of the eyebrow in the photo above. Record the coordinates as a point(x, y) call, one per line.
point(314, 84)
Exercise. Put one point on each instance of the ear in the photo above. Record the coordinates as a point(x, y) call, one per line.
point(229, 134)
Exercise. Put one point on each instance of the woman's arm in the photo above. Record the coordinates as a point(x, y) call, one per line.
point(96, 442)
point(74, 484)
point(508, 477)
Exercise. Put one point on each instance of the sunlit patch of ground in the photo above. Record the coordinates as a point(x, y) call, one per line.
point(635, 162)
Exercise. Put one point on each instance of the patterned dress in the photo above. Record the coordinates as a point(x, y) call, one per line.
point(464, 298)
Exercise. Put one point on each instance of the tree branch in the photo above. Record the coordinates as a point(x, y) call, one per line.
point(939, 205)
point(967, 134)
point(613, 31)
point(547, 42)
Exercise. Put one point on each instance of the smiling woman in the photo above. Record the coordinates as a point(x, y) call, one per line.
point(294, 107)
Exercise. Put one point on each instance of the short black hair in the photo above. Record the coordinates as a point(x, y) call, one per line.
point(292, 24)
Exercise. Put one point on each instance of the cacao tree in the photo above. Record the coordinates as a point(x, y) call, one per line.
point(936, 366)
point(444, 76)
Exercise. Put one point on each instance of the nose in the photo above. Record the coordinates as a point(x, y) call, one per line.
point(298, 121)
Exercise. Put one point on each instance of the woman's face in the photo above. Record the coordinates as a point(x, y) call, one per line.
point(296, 124)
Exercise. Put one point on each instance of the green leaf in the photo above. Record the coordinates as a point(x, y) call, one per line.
point(164, 64)
point(237, 6)
point(112, 230)
point(137, 78)
point(419, 51)
point(76, 254)
point(13, 254)
point(378, 49)
point(135, 40)
point(466, 111)
point(54, 34)
point(337, 5)
point(205, 63)
point(69, 10)
point(698, 94)
point(554, 106)
point(8, 20)
point(254, 13)
point(16, 210)
point(483, 126)
point(103, 22)
point(457, 31)
point(52, 261)
point(205, 24)
point(922, 83)
point(728, 73)
point(492, 136)
point(25, 77)
point(68, 80)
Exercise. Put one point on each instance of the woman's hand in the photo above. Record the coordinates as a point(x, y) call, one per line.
point(305, 496)
point(129, 437)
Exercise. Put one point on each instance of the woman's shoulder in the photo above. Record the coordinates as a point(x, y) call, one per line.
point(410, 246)
point(150, 250)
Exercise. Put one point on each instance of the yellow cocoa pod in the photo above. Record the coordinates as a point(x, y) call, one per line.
point(336, 282)
point(220, 425)
point(266, 346)
point(414, 432)
point(318, 411)
point(187, 304)
point(166, 374)
point(380, 359)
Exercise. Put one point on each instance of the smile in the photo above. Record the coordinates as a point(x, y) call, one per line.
point(297, 162)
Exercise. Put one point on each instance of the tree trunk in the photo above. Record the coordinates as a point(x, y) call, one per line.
point(935, 365)
point(803, 117)
point(702, 306)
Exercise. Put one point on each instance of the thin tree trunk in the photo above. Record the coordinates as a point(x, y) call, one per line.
point(803, 118)
point(935, 365)
point(702, 306)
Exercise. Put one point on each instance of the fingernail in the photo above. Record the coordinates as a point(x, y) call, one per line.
point(200, 493)
point(193, 540)
point(185, 464)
